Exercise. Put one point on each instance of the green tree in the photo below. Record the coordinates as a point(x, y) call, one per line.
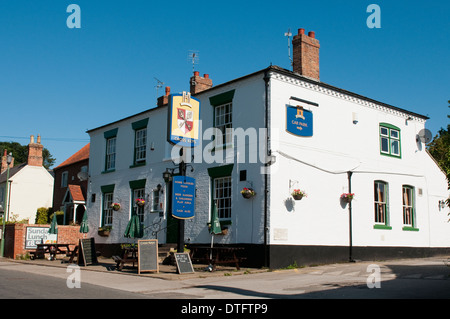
point(20, 153)
point(439, 148)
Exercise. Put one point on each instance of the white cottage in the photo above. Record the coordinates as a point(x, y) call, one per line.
point(280, 131)
point(30, 184)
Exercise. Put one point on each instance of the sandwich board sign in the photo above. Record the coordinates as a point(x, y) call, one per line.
point(183, 120)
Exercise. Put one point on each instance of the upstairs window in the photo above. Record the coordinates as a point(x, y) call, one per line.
point(140, 142)
point(390, 143)
point(110, 153)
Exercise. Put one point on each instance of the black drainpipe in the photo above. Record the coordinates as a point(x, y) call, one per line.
point(268, 153)
point(350, 257)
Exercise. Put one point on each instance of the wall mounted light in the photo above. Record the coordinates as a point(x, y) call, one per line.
point(355, 118)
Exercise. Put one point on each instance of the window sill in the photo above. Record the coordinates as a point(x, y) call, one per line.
point(138, 164)
point(409, 228)
point(109, 171)
point(382, 227)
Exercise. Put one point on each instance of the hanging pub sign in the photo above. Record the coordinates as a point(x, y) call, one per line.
point(183, 197)
point(183, 120)
point(299, 121)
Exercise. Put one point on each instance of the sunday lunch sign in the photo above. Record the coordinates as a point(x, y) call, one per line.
point(38, 235)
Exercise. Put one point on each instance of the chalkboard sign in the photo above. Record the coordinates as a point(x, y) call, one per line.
point(184, 263)
point(87, 254)
point(148, 255)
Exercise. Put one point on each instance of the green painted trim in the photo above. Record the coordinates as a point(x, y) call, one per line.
point(139, 124)
point(108, 171)
point(140, 183)
point(220, 171)
point(382, 227)
point(107, 188)
point(389, 127)
point(409, 228)
point(138, 164)
point(222, 98)
point(111, 133)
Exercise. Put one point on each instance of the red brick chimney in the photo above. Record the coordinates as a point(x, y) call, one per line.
point(163, 100)
point(306, 54)
point(199, 84)
point(35, 152)
point(4, 163)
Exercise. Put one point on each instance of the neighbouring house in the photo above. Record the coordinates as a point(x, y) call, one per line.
point(278, 131)
point(30, 184)
point(71, 182)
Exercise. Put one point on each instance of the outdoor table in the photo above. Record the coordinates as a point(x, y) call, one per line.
point(52, 249)
point(216, 255)
point(129, 255)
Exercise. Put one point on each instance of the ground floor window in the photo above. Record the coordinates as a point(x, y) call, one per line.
point(222, 196)
point(107, 211)
point(381, 204)
point(138, 194)
point(408, 206)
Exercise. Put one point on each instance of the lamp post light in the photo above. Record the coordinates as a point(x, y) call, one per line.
point(6, 212)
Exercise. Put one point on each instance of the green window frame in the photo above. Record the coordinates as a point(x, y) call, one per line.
point(140, 142)
point(107, 200)
point(390, 140)
point(409, 210)
point(381, 205)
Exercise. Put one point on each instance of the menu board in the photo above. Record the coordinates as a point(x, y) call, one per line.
point(148, 255)
point(184, 263)
point(87, 254)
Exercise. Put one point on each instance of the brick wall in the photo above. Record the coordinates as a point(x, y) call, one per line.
point(15, 237)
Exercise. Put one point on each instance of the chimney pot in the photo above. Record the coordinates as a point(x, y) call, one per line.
point(301, 31)
point(206, 76)
point(196, 73)
point(312, 34)
point(167, 90)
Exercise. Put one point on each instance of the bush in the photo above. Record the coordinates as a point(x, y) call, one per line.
point(42, 216)
point(59, 217)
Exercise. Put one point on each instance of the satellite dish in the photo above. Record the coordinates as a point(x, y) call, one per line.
point(425, 136)
point(83, 176)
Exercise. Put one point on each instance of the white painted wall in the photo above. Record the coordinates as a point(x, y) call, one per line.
point(317, 164)
point(31, 188)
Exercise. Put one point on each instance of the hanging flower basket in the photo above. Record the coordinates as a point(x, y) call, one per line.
point(347, 197)
point(115, 206)
point(248, 192)
point(104, 231)
point(298, 194)
point(140, 202)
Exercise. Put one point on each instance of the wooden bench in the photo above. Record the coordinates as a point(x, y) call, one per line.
point(126, 258)
point(220, 255)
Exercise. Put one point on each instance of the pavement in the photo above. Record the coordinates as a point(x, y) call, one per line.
point(166, 272)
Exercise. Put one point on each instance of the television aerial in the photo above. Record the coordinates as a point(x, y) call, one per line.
point(159, 84)
point(193, 57)
point(288, 35)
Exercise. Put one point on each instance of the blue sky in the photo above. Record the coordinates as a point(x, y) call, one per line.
point(59, 82)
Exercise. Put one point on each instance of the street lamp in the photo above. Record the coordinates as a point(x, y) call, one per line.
point(8, 162)
point(167, 176)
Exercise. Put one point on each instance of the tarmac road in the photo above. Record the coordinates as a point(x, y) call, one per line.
point(427, 278)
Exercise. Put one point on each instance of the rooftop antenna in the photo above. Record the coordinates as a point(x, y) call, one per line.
point(158, 85)
point(288, 35)
point(193, 58)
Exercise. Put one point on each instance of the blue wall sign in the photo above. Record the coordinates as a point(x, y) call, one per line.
point(183, 197)
point(299, 121)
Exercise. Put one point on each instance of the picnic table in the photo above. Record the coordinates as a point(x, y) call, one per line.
point(53, 249)
point(129, 255)
point(216, 255)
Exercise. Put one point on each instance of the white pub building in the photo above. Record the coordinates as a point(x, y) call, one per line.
point(281, 132)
